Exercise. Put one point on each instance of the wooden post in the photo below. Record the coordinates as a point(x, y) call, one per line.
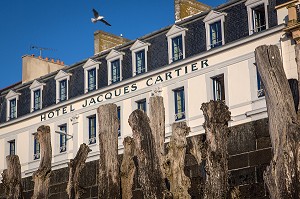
point(127, 168)
point(75, 167)
point(12, 180)
point(216, 116)
point(41, 177)
point(150, 176)
point(157, 125)
point(109, 178)
point(282, 176)
point(174, 162)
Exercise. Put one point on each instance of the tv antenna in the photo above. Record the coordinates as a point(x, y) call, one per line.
point(40, 49)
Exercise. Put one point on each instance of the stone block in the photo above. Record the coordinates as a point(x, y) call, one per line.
point(238, 161)
point(94, 191)
point(253, 191)
point(138, 193)
point(88, 175)
point(54, 196)
point(190, 160)
point(59, 176)
point(27, 184)
point(242, 176)
point(261, 128)
point(260, 157)
point(241, 139)
point(263, 142)
point(87, 193)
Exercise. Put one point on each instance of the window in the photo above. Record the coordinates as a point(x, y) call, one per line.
point(62, 80)
point(36, 152)
point(140, 62)
point(13, 108)
point(179, 104)
point(218, 88)
point(177, 48)
point(139, 57)
point(36, 95)
point(214, 24)
point(115, 71)
point(260, 86)
point(36, 100)
point(63, 87)
point(176, 44)
point(91, 76)
point(257, 15)
point(12, 147)
point(92, 79)
point(119, 117)
point(142, 105)
point(114, 66)
point(258, 18)
point(215, 34)
point(12, 103)
point(92, 129)
point(63, 138)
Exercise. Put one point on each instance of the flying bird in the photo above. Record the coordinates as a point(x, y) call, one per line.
point(98, 18)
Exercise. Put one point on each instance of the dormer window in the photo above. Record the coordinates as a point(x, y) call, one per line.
point(214, 25)
point(176, 44)
point(36, 95)
point(257, 15)
point(12, 101)
point(91, 68)
point(114, 66)
point(62, 85)
point(139, 57)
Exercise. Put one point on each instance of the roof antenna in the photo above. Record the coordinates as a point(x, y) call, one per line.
point(40, 49)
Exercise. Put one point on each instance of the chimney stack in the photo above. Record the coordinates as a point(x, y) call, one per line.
point(104, 41)
point(186, 8)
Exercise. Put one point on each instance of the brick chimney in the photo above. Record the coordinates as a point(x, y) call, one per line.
point(35, 67)
point(186, 8)
point(104, 41)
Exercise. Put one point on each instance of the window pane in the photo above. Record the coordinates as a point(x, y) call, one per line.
point(63, 90)
point(37, 100)
point(259, 18)
point(140, 62)
point(142, 105)
point(36, 154)
point(179, 104)
point(92, 79)
point(92, 129)
point(63, 138)
point(219, 88)
point(177, 53)
point(115, 71)
point(119, 117)
point(260, 86)
point(12, 147)
point(215, 34)
point(13, 109)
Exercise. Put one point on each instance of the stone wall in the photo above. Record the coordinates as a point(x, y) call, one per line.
point(249, 151)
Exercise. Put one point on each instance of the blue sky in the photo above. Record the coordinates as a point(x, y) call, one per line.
point(66, 27)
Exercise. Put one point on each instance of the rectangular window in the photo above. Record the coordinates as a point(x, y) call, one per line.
point(260, 86)
point(37, 100)
point(12, 147)
point(259, 18)
point(63, 138)
point(13, 108)
point(140, 62)
point(36, 152)
point(63, 90)
point(215, 34)
point(92, 79)
point(219, 88)
point(177, 48)
point(115, 71)
point(92, 129)
point(142, 105)
point(179, 104)
point(119, 117)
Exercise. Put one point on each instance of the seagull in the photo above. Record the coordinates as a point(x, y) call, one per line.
point(98, 18)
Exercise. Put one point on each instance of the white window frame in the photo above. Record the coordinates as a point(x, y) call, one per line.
point(175, 31)
point(137, 47)
point(212, 17)
point(62, 75)
point(10, 96)
point(113, 56)
point(89, 65)
point(250, 4)
point(36, 85)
